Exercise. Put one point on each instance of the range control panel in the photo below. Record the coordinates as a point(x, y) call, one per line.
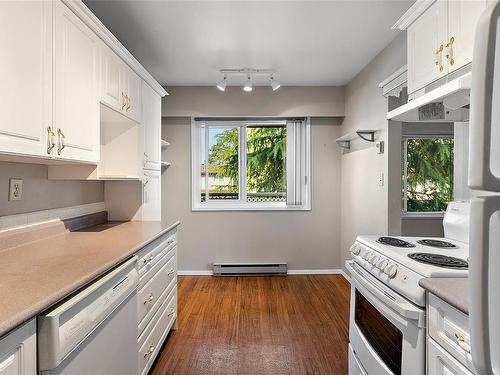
point(396, 276)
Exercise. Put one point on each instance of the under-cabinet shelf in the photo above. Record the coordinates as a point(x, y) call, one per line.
point(366, 135)
point(120, 178)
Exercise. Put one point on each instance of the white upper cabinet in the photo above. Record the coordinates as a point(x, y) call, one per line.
point(462, 20)
point(120, 85)
point(151, 121)
point(425, 47)
point(76, 87)
point(26, 77)
point(440, 38)
point(131, 88)
point(111, 71)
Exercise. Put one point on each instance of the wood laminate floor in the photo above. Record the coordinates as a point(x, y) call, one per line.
point(259, 325)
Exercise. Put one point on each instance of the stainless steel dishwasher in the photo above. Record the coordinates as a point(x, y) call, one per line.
point(94, 331)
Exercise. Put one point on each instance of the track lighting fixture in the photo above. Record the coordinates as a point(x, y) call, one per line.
point(274, 85)
point(222, 84)
point(249, 73)
point(248, 84)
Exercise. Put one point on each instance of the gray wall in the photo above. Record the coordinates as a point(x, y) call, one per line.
point(365, 203)
point(304, 239)
point(317, 101)
point(42, 194)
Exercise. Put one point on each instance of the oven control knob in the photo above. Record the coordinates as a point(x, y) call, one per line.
point(382, 263)
point(391, 270)
point(374, 260)
point(355, 249)
point(367, 256)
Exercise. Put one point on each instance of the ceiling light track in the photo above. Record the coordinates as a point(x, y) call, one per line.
point(248, 73)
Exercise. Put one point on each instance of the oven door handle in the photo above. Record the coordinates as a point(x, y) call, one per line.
point(404, 309)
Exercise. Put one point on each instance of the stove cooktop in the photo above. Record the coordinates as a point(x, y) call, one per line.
point(396, 242)
point(437, 243)
point(400, 255)
point(439, 260)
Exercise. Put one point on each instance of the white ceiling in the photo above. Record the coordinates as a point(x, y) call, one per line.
point(306, 42)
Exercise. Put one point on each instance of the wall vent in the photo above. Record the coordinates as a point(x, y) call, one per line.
point(249, 269)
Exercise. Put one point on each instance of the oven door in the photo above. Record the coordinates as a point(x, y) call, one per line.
point(386, 331)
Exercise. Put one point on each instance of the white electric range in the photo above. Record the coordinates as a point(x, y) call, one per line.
point(387, 317)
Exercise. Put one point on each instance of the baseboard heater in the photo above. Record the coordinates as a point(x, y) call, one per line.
point(249, 269)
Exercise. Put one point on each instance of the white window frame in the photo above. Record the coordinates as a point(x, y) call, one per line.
point(404, 201)
point(302, 165)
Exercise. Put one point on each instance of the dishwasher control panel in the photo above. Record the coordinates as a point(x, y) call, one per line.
point(63, 328)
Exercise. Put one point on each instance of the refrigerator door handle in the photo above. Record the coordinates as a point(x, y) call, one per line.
point(481, 175)
point(484, 325)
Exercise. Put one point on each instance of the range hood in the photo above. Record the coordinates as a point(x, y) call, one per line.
point(447, 103)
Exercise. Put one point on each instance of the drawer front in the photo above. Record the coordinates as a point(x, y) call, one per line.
point(440, 362)
point(150, 293)
point(450, 329)
point(151, 340)
point(156, 306)
point(152, 252)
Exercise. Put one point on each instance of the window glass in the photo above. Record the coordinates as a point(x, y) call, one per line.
point(266, 163)
point(203, 162)
point(223, 163)
point(427, 174)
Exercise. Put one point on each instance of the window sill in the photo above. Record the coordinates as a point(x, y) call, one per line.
point(421, 215)
point(236, 207)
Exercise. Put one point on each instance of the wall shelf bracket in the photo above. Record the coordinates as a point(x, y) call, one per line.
point(345, 140)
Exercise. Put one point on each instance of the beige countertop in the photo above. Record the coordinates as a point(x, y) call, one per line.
point(451, 290)
point(38, 274)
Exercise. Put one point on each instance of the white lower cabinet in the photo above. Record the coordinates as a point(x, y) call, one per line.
point(157, 297)
point(448, 339)
point(18, 351)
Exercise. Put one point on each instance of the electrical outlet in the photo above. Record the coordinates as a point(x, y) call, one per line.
point(16, 189)
point(381, 179)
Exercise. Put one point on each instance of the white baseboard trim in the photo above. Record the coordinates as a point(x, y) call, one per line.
point(333, 271)
point(194, 273)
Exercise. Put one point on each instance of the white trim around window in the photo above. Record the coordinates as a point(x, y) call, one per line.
point(298, 180)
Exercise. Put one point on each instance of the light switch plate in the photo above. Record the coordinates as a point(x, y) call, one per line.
point(15, 189)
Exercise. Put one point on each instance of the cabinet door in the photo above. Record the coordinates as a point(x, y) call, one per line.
point(151, 121)
point(18, 351)
point(462, 21)
point(151, 204)
point(111, 70)
point(134, 105)
point(25, 76)
point(425, 37)
point(76, 87)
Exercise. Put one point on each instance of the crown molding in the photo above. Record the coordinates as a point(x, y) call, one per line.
point(415, 11)
point(90, 19)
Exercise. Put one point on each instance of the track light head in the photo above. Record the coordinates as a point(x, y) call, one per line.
point(248, 84)
point(222, 84)
point(274, 85)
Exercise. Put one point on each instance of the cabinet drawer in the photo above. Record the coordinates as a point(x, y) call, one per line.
point(151, 340)
point(150, 293)
point(18, 351)
point(450, 329)
point(440, 362)
point(148, 256)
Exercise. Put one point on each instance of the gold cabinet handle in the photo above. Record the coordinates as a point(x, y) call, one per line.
point(461, 342)
point(150, 351)
point(449, 55)
point(124, 102)
point(61, 137)
point(149, 299)
point(51, 140)
point(438, 56)
point(128, 103)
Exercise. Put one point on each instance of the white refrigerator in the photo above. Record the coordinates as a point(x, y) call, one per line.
point(484, 174)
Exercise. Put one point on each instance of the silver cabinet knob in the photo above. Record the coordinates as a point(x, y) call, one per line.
point(149, 299)
point(150, 351)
